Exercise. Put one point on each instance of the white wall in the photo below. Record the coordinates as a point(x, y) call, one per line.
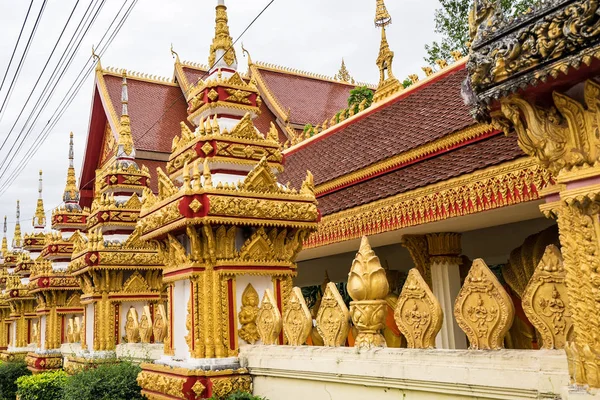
point(181, 296)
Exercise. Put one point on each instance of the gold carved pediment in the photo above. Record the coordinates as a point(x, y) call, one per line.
point(258, 247)
point(418, 313)
point(268, 319)
point(261, 179)
point(136, 284)
point(333, 317)
point(545, 300)
point(483, 309)
point(297, 321)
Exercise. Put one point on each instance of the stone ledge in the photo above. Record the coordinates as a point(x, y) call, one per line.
point(503, 374)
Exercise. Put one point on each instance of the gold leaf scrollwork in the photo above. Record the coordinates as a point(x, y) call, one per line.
point(545, 300)
point(297, 321)
point(333, 318)
point(483, 309)
point(268, 319)
point(247, 315)
point(418, 313)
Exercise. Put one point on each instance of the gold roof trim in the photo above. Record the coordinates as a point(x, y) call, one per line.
point(378, 105)
point(140, 76)
point(305, 74)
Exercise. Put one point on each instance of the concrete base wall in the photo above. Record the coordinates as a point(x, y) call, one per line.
point(319, 373)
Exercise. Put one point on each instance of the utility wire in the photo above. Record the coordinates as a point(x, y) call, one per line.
point(69, 96)
point(12, 56)
point(19, 67)
point(3, 189)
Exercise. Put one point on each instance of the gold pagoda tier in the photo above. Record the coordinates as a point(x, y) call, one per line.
point(119, 274)
point(57, 293)
point(228, 233)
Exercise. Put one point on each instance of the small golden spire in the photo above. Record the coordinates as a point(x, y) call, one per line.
point(71, 194)
point(247, 53)
point(382, 16)
point(39, 218)
point(125, 142)
point(222, 40)
point(4, 239)
point(17, 242)
point(174, 54)
point(96, 57)
point(343, 74)
point(388, 84)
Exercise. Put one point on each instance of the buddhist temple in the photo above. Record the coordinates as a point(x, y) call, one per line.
point(437, 239)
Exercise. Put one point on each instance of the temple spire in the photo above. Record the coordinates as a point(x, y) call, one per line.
point(17, 241)
point(71, 193)
point(39, 218)
point(343, 74)
point(4, 239)
point(222, 53)
point(388, 84)
point(126, 150)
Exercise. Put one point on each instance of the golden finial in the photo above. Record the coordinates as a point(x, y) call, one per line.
point(343, 74)
point(174, 54)
point(456, 55)
point(96, 57)
point(39, 218)
point(4, 239)
point(125, 141)
point(222, 40)
point(388, 84)
point(71, 194)
point(382, 16)
point(17, 242)
point(247, 53)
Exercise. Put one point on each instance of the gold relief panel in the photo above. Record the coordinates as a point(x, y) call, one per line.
point(333, 318)
point(247, 315)
point(546, 303)
point(268, 319)
point(297, 321)
point(132, 327)
point(160, 326)
point(483, 309)
point(418, 313)
point(259, 208)
point(145, 326)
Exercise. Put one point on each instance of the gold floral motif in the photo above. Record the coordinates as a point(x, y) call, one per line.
point(213, 95)
point(545, 300)
point(483, 309)
point(198, 388)
point(297, 321)
point(259, 208)
point(132, 326)
point(268, 319)
point(418, 313)
point(248, 314)
point(238, 96)
point(368, 286)
point(159, 383)
point(333, 318)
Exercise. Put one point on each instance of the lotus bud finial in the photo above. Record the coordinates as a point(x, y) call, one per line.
point(367, 279)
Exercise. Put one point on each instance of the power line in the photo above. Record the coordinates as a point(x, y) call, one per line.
point(54, 79)
point(12, 56)
point(69, 96)
point(19, 67)
point(5, 187)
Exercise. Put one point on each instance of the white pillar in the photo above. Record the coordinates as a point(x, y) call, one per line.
point(445, 277)
point(444, 256)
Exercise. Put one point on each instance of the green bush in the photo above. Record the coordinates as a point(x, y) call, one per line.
point(9, 373)
point(239, 396)
point(45, 386)
point(107, 382)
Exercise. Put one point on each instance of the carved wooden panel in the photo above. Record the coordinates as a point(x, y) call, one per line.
point(268, 319)
point(333, 318)
point(297, 321)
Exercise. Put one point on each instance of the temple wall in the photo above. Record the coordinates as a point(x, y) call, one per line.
point(290, 373)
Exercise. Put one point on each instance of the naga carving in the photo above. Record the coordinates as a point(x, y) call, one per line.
point(297, 321)
point(268, 319)
point(483, 309)
point(418, 314)
point(333, 318)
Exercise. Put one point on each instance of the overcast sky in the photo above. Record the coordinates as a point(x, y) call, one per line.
point(310, 35)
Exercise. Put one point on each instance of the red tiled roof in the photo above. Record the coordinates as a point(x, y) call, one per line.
point(465, 160)
point(193, 75)
point(155, 111)
point(423, 115)
point(152, 165)
point(263, 122)
point(310, 100)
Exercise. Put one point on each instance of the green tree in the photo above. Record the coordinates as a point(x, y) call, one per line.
point(452, 22)
point(357, 95)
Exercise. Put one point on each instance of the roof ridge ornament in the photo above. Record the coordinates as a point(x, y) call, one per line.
point(388, 84)
point(382, 16)
point(4, 239)
point(343, 74)
point(71, 193)
point(39, 218)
